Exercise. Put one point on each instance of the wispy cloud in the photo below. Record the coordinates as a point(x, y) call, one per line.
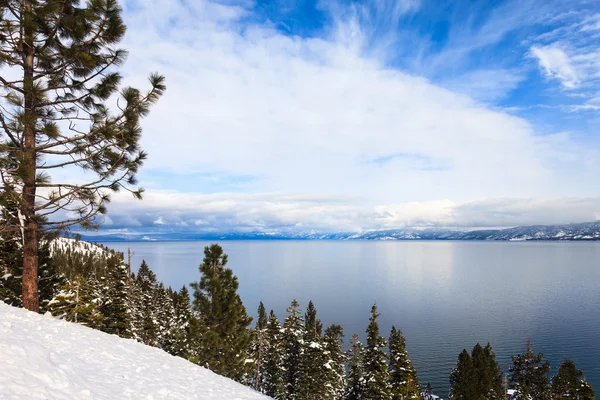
point(369, 121)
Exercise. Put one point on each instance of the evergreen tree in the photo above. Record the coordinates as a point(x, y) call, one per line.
point(335, 368)
point(256, 347)
point(403, 376)
point(569, 383)
point(77, 302)
point(377, 377)
point(115, 305)
point(529, 374)
point(62, 60)
point(181, 332)
point(144, 321)
point(225, 334)
point(165, 316)
point(293, 333)
point(314, 359)
point(273, 370)
point(488, 374)
point(355, 383)
point(463, 379)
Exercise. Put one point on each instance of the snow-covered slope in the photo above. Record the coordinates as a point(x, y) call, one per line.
point(76, 246)
point(45, 358)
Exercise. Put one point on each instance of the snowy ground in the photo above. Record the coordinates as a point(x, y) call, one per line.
point(44, 358)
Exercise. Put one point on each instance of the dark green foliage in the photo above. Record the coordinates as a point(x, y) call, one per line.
point(403, 376)
point(144, 318)
point(225, 337)
point(569, 383)
point(477, 376)
point(335, 378)
point(273, 367)
point(463, 378)
point(529, 374)
point(377, 376)
point(488, 374)
point(292, 339)
point(314, 361)
point(115, 300)
point(56, 115)
point(355, 382)
point(180, 343)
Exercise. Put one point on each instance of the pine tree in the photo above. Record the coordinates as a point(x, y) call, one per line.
point(115, 306)
point(145, 325)
point(355, 383)
point(62, 60)
point(488, 373)
point(463, 379)
point(273, 370)
point(164, 312)
point(335, 379)
point(181, 332)
point(529, 374)
point(314, 359)
point(225, 334)
point(77, 302)
point(255, 351)
point(569, 383)
point(377, 377)
point(403, 376)
point(292, 339)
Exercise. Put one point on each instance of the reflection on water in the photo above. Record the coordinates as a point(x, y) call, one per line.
point(444, 296)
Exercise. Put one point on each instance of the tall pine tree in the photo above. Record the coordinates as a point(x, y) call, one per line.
point(61, 59)
point(355, 383)
point(274, 368)
point(529, 374)
point(462, 378)
point(377, 377)
point(335, 379)
point(292, 339)
point(403, 376)
point(488, 374)
point(225, 333)
point(314, 361)
point(569, 383)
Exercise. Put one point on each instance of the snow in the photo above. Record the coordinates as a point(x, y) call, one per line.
point(76, 246)
point(45, 358)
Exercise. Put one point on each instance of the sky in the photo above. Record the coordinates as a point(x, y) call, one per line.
point(298, 115)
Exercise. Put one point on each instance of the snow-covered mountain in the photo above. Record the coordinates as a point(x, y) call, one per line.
point(582, 231)
point(46, 358)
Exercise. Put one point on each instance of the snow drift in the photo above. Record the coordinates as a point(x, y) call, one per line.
point(45, 358)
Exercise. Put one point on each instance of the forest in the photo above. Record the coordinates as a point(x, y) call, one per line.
point(293, 358)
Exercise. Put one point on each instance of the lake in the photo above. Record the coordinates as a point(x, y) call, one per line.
point(443, 295)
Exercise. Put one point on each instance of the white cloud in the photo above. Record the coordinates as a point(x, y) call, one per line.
point(557, 64)
point(288, 213)
point(308, 115)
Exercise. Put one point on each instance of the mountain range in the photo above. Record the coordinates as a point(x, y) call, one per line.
point(581, 231)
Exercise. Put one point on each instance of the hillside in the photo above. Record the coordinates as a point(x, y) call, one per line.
point(43, 357)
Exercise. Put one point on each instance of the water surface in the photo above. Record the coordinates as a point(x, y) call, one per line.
point(443, 295)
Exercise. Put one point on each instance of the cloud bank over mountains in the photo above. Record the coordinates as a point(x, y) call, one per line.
point(273, 121)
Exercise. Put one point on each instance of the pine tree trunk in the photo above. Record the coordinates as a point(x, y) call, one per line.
point(30, 234)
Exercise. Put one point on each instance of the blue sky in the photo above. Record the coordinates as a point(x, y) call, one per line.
point(337, 115)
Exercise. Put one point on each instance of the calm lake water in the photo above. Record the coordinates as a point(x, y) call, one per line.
point(444, 296)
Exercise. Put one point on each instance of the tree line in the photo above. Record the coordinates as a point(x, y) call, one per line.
point(296, 358)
